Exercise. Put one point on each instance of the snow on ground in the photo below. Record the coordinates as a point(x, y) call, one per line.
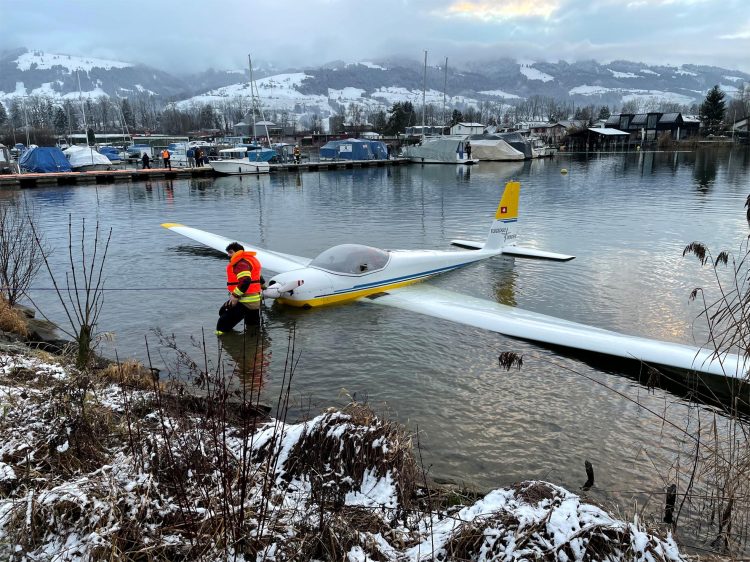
point(373, 65)
point(500, 94)
point(279, 91)
point(647, 71)
point(346, 94)
point(729, 89)
point(45, 61)
point(533, 74)
point(136, 478)
point(629, 94)
point(683, 72)
point(589, 90)
point(733, 78)
point(657, 96)
point(393, 94)
point(617, 74)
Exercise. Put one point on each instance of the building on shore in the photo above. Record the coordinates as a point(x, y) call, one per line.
point(649, 127)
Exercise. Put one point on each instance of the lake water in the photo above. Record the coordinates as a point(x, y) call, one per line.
point(627, 218)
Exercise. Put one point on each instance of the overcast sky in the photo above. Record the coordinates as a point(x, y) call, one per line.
point(192, 36)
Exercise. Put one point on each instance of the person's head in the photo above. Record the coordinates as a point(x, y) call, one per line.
point(234, 247)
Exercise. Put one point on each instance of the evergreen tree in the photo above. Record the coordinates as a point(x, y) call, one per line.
point(3, 115)
point(127, 113)
point(60, 121)
point(456, 117)
point(206, 119)
point(604, 112)
point(401, 115)
point(712, 111)
point(379, 121)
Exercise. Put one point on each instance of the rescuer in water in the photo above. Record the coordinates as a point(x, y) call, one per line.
point(244, 283)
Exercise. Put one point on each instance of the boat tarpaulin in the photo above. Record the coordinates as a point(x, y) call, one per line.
point(354, 149)
point(85, 156)
point(44, 159)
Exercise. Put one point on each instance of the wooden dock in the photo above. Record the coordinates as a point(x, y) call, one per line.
point(132, 174)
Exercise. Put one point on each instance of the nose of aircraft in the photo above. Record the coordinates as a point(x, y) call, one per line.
point(299, 286)
point(278, 287)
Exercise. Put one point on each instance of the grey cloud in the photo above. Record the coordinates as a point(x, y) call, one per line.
point(192, 36)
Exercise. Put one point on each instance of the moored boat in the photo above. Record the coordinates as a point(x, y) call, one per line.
point(86, 159)
point(440, 150)
point(235, 161)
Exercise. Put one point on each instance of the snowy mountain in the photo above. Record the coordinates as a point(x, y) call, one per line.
point(370, 84)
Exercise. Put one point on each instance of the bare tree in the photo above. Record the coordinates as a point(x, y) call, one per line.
point(20, 255)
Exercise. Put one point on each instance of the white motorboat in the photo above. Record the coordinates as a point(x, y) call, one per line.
point(235, 161)
point(541, 149)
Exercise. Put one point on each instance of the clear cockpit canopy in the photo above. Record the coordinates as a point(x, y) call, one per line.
point(351, 259)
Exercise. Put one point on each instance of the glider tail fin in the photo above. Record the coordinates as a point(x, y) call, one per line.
point(503, 231)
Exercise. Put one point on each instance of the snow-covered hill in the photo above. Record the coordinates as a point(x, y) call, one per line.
point(370, 84)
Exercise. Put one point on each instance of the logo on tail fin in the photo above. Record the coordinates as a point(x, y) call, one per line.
point(507, 210)
point(503, 230)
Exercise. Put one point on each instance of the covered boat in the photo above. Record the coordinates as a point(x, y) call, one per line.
point(491, 147)
point(354, 149)
point(85, 158)
point(44, 159)
point(111, 152)
point(440, 150)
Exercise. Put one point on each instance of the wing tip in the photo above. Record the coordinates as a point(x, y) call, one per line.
point(171, 224)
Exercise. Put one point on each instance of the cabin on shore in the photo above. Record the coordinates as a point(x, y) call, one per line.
point(467, 129)
point(649, 127)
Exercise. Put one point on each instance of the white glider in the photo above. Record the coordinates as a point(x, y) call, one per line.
point(352, 271)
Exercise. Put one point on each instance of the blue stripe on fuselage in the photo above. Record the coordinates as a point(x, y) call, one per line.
point(398, 279)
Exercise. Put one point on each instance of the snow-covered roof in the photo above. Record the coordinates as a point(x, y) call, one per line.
point(607, 132)
point(470, 124)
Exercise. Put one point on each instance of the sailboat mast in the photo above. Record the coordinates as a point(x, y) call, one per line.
point(83, 110)
point(424, 92)
point(445, 87)
point(255, 101)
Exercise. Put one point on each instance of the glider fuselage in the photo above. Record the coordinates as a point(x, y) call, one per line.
point(350, 271)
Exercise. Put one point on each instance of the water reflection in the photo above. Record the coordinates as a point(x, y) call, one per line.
point(250, 354)
point(705, 170)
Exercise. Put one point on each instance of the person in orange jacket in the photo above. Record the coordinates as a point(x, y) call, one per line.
point(167, 158)
point(244, 283)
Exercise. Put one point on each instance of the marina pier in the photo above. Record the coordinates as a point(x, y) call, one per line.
point(132, 174)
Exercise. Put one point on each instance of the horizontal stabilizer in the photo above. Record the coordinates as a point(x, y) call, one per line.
point(468, 244)
point(533, 253)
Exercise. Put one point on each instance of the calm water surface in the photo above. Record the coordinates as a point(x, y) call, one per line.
point(627, 218)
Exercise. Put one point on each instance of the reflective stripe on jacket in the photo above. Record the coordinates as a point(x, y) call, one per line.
point(243, 276)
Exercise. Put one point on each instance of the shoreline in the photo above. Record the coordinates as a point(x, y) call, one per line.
point(114, 462)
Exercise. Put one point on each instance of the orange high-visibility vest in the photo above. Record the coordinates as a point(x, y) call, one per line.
point(252, 294)
point(165, 154)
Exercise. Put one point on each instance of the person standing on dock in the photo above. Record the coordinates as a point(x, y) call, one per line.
point(167, 160)
point(468, 150)
point(146, 161)
point(245, 284)
point(198, 158)
point(191, 157)
point(297, 154)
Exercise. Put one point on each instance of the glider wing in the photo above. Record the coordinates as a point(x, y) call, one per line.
point(523, 324)
point(275, 261)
